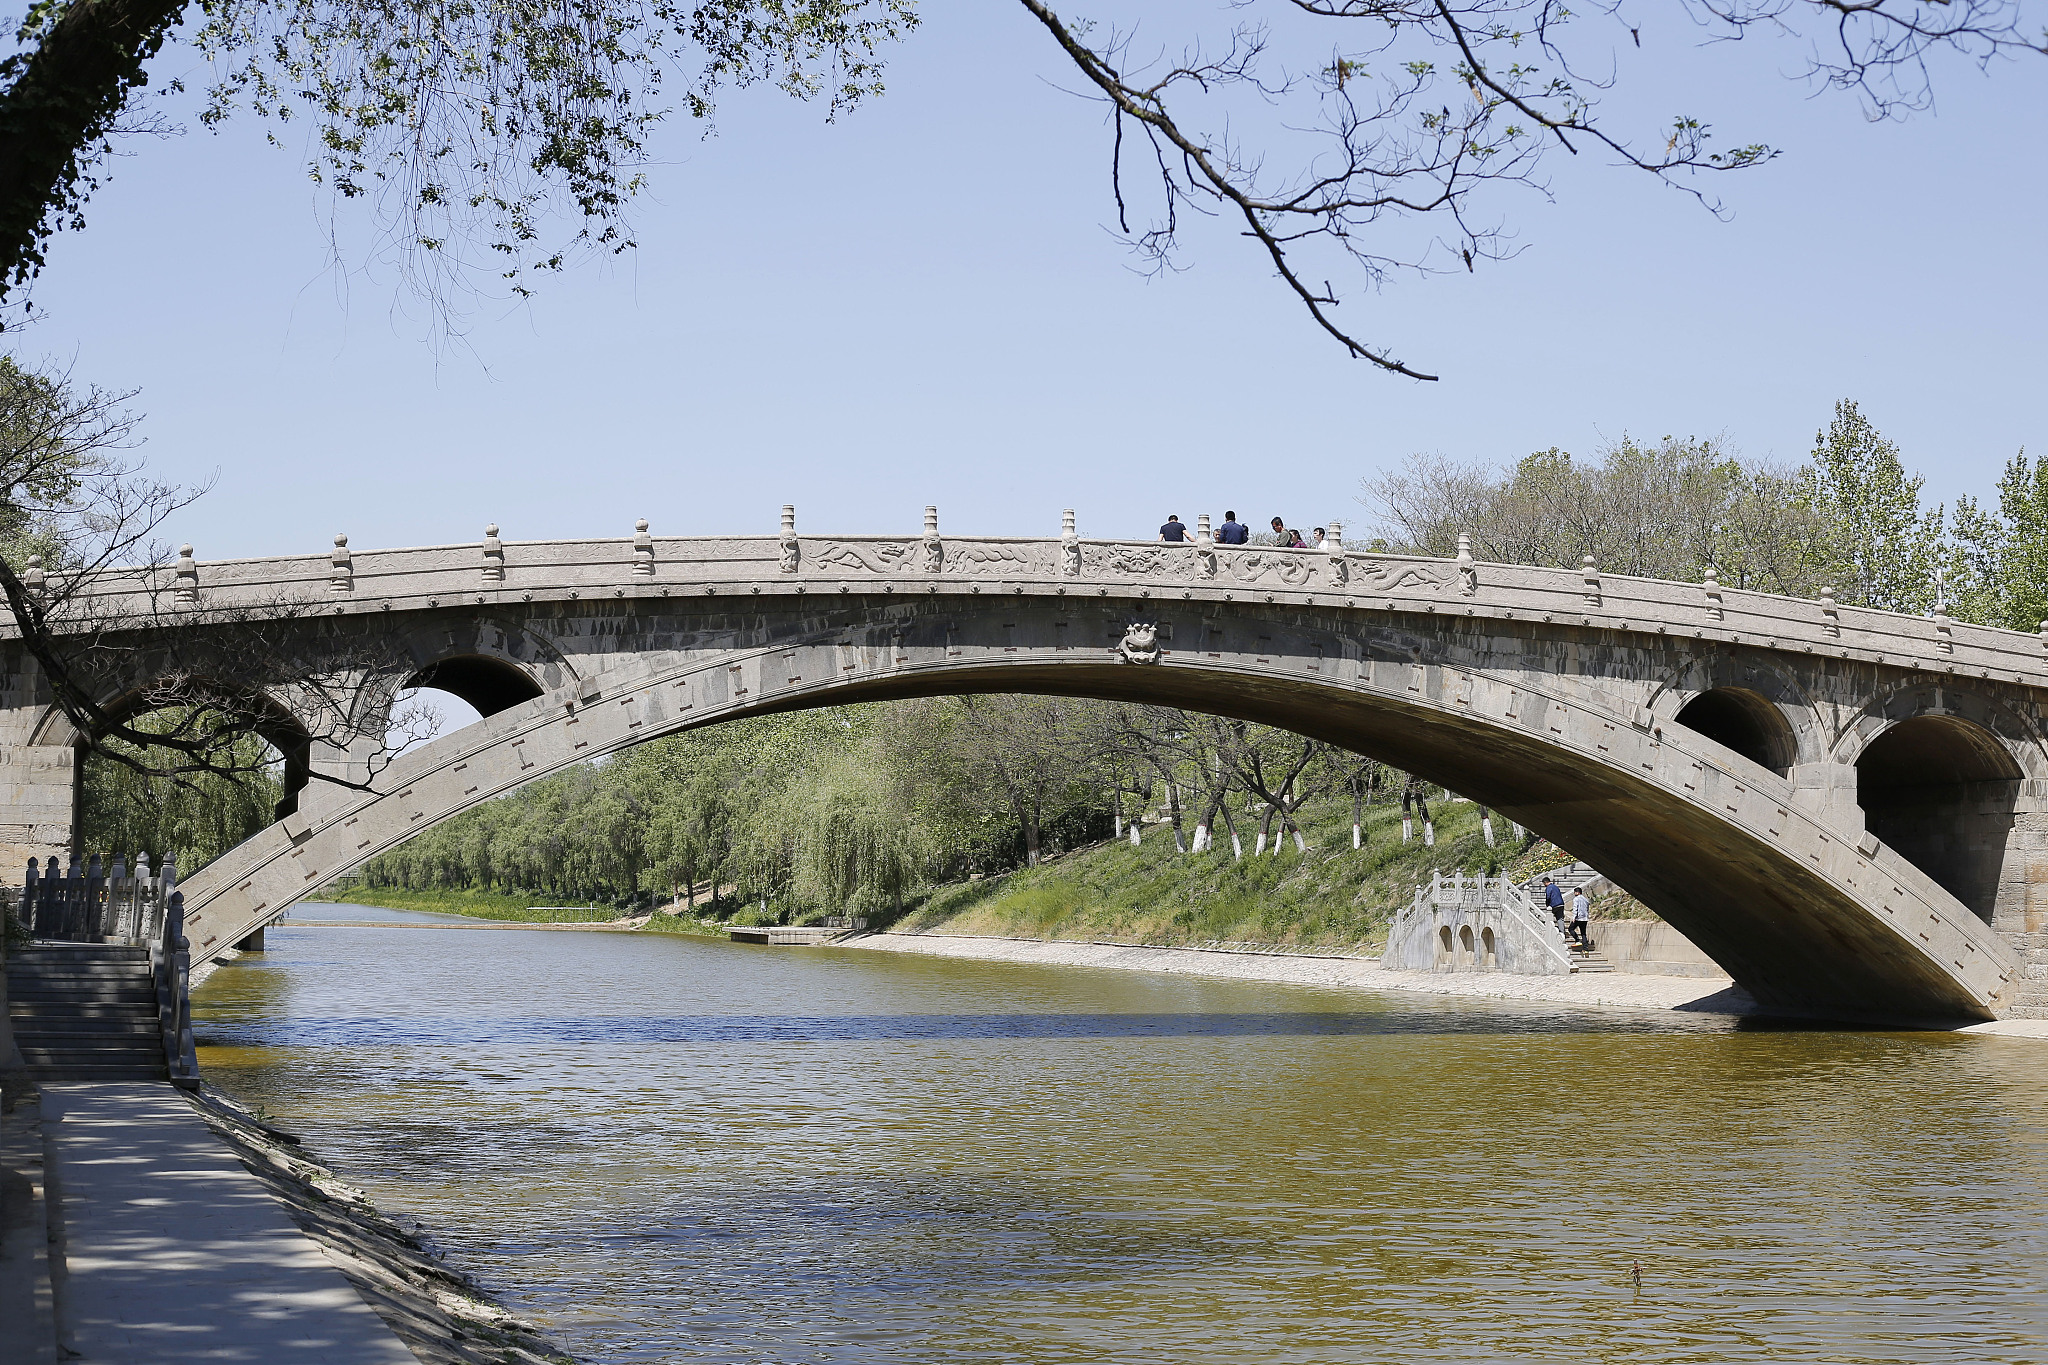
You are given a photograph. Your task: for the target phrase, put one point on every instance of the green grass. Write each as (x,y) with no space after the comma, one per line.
(481,904)
(1327,897)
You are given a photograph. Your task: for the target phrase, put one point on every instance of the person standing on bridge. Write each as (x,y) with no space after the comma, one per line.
(1582,910)
(1232,531)
(1174,530)
(1553,896)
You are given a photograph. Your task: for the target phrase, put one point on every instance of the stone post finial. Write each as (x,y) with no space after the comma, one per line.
(1712,587)
(494,555)
(1070,544)
(643,550)
(1205,546)
(33,578)
(1591,574)
(789,551)
(2044,634)
(1831,616)
(1333,539)
(187,569)
(342,577)
(1944,629)
(934,548)
(1067,531)
(1468,572)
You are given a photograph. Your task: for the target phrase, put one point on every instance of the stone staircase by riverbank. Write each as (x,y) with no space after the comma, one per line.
(85,1012)
(1589,959)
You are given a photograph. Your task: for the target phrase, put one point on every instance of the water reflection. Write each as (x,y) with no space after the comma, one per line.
(673,1150)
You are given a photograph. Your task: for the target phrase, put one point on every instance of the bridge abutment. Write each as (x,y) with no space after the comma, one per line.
(38,781)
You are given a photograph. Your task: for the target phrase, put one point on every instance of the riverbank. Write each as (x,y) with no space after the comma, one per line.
(442,1316)
(476,904)
(1604,990)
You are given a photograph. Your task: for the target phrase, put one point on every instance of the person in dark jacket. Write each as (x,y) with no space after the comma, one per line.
(1232,531)
(1553,896)
(1174,530)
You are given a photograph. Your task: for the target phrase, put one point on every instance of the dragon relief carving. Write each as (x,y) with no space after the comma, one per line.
(1380,577)
(1140,644)
(1122,559)
(1252,565)
(874,558)
(988,559)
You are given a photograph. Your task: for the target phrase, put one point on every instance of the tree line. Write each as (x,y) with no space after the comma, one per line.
(862,807)
(1851,517)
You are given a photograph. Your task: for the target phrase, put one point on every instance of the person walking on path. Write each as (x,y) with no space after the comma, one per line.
(1582,910)
(1553,896)
(1232,531)
(1174,530)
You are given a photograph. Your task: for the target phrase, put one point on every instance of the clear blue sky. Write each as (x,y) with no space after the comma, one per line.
(921,303)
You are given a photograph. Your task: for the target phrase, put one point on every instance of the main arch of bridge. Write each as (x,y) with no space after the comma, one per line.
(1655,729)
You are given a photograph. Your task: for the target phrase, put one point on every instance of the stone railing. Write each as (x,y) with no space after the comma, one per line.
(170,963)
(1131,573)
(82,904)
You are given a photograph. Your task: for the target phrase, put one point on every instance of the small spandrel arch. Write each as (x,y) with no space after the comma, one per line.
(1942,791)
(1746,721)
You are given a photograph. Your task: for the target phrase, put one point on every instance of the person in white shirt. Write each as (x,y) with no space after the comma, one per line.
(1582,910)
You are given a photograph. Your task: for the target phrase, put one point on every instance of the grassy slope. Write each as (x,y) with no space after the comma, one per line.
(1328,897)
(482,904)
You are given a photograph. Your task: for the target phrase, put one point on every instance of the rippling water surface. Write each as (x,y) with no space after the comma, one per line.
(672,1149)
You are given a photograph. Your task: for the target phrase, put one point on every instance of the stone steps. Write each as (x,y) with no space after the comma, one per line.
(85,1012)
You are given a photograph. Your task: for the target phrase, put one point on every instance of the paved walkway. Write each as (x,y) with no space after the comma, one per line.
(173,1252)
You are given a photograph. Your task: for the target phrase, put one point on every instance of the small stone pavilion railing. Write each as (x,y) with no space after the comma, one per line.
(134,909)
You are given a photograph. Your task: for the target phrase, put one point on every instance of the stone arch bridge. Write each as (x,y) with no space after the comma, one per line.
(1844,808)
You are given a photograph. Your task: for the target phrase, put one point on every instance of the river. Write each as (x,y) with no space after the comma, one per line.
(674,1149)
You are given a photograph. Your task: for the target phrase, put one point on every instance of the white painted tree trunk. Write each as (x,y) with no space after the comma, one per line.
(1119,824)
(1299,845)
(1357,837)
(1236,846)
(1407,828)
(1201,838)
(1486,829)
(1134,832)
(1260,850)
(1429,834)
